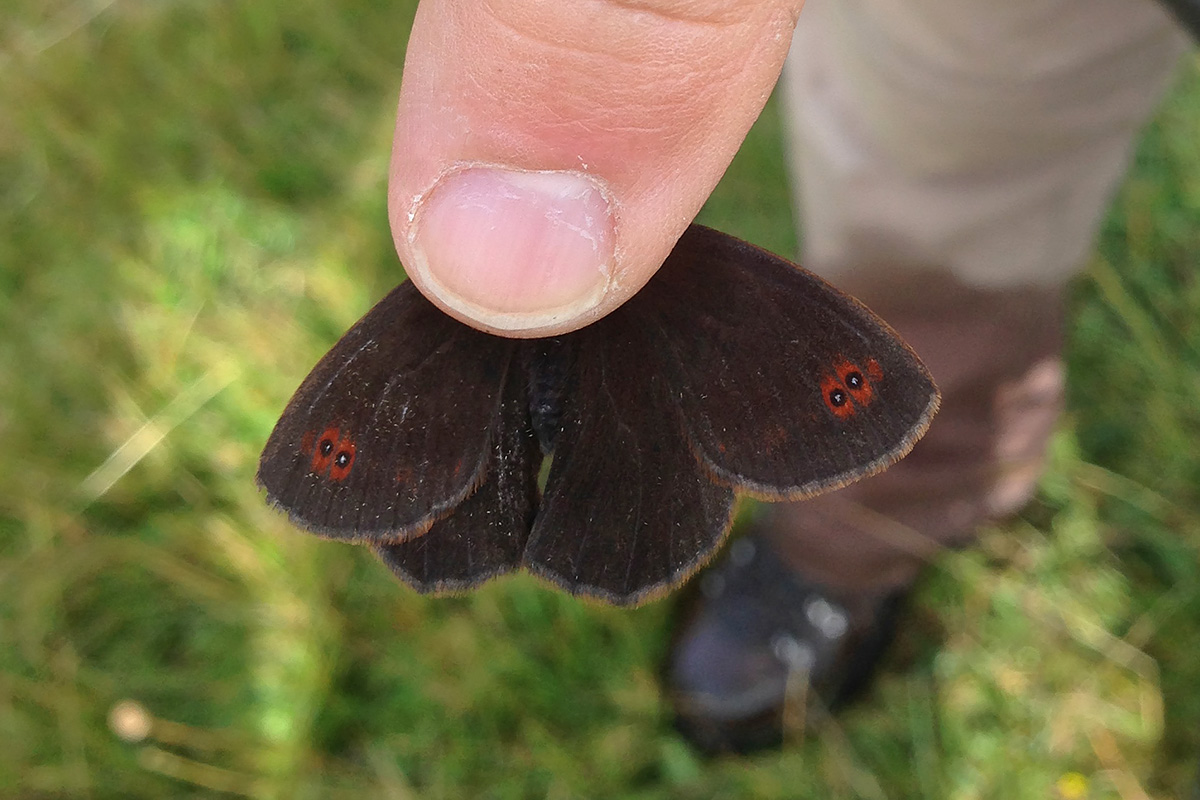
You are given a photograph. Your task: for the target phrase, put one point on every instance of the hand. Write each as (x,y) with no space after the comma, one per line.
(548,153)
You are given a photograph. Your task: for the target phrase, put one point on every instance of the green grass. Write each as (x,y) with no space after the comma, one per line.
(192,210)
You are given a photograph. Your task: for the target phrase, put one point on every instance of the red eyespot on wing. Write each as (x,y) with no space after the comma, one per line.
(343,459)
(856,381)
(837,397)
(324,450)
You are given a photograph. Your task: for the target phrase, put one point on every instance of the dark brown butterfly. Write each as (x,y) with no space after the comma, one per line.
(731,370)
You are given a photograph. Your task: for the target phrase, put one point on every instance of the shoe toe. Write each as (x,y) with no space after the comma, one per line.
(749,633)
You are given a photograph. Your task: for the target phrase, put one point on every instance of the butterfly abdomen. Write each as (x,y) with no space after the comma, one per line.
(548,364)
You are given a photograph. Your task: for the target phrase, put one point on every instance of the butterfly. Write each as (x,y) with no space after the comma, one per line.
(732,370)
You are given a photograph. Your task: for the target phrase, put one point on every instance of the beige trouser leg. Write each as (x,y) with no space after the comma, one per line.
(954,159)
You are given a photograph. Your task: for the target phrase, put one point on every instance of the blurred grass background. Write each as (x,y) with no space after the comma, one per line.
(192,209)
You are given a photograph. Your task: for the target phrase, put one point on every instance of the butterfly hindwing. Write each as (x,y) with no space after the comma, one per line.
(629,511)
(788,386)
(485,535)
(392,428)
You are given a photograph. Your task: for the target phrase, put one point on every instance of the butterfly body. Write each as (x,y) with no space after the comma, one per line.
(549,369)
(731,370)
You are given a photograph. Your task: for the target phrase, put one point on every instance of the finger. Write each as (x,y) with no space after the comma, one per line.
(547,155)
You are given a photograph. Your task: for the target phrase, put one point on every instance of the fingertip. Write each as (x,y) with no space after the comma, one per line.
(514,252)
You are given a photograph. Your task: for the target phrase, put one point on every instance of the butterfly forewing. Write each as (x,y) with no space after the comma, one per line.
(788,386)
(392,428)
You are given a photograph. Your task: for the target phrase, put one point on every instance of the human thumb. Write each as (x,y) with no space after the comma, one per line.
(547,155)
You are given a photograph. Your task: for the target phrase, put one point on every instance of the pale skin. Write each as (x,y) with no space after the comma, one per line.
(548,153)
